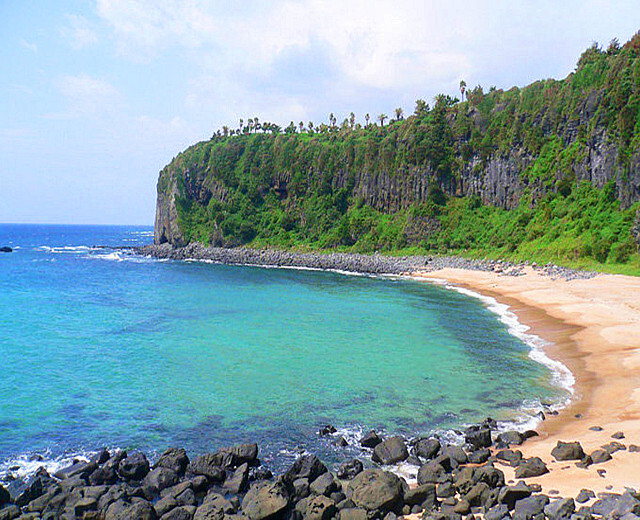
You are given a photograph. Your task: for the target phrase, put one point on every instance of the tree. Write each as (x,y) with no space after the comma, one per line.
(291,129)
(421,107)
(225,130)
(399,114)
(352,120)
(463,88)
(332,120)
(301,125)
(366,119)
(310,126)
(382,118)
(241,124)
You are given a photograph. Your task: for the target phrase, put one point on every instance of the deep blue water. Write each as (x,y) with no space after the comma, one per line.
(103,348)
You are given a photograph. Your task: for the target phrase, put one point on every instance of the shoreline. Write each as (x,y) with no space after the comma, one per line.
(593,327)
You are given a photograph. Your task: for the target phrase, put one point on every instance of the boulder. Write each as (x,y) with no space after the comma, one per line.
(181,513)
(329,429)
(301,489)
(317,507)
(174,459)
(390,451)
(208,510)
(158,479)
(84,469)
(568,451)
(370,440)
(234,456)
(456,455)
(479,456)
(498,512)
(325,484)
(533,467)
(445,490)
(560,509)
(376,490)
(421,495)
(478,437)
(349,470)
(491,476)
(266,500)
(530,508)
(512,457)
(134,466)
(600,456)
(6,249)
(427,448)
(611,505)
(238,480)
(10,512)
(137,508)
(431,473)
(511,437)
(584,496)
(353,513)
(306,466)
(209,466)
(509,495)
(478,494)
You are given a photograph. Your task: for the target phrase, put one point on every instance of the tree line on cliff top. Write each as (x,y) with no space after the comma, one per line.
(563,221)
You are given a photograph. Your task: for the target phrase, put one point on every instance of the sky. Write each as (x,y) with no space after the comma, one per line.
(96,96)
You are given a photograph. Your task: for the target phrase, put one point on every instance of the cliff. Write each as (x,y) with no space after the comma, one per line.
(405,183)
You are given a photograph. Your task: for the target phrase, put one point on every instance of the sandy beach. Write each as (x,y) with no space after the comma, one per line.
(593,327)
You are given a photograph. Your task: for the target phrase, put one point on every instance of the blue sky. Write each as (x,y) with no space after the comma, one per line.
(98,95)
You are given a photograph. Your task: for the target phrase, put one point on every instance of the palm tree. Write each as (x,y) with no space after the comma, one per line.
(332,120)
(310,126)
(225,130)
(366,119)
(463,88)
(399,114)
(352,120)
(241,124)
(421,107)
(301,125)
(382,118)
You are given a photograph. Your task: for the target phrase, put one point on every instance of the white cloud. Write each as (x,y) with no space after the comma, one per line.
(28,45)
(78,32)
(87,96)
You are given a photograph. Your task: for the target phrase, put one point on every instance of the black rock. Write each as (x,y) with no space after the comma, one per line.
(137,508)
(207,465)
(352,513)
(134,467)
(509,495)
(329,429)
(618,435)
(101,456)
(613,446)
(377,491)
(370,440)
(596,428)
(498,512)
(530,508)
(306,466)
(560,509)
(478,437)
(233,456)
(512,457)
(5,496)
(600,456)
(445,490)
(584,496)
(325,484)
(511,437)
(349,470)
(390,451)
(316,507)
(266,500)
(479,456)
(427,448)
(421,495)
(157,480)
(341,442)
(6,249)
(533,467)
(568,451)
(611,505)
(84,469)
(260,473)
(238,480)
(431,473)
(300,489)
(174,459)
(456,455)
(491,476)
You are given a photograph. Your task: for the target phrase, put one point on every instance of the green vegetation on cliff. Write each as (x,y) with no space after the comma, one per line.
(549,172)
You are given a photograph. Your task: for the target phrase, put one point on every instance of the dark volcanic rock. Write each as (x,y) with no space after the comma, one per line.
(584,496)
(325,484)
(509,495)
(209,466)
(611,505)
(134,467)
(478,437)
(376,490)
(234,456)
(158,479)
(238,480)
(316,508)
(424,494)
(174,459)
(511,437)
(390,451)
(498,512)
(137,508)
(600,456)
(560,509)
(306,466)
(533,467)
(265,500)
(431,473)
(349,470)
(479,456)
(327,430)
(530,508)
(5,496)
(427,448)
(370,440)
(568,451)
(6,249)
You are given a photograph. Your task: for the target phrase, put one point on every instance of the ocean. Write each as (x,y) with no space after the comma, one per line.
(101,347)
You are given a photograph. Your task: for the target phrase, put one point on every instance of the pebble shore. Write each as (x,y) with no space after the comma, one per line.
(375,264)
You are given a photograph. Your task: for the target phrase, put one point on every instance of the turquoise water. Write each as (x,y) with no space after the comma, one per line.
(102,348)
